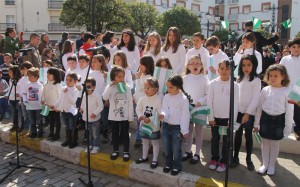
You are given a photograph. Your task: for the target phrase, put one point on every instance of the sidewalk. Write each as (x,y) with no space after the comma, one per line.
(287,168)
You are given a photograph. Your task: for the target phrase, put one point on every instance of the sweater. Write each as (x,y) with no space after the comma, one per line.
(133,58)
(151,53)
(216,59)
(51,93)
(198,93)
(95,106)
(177,59)
(139,89)
(100,83)
(67,101)
(292,64)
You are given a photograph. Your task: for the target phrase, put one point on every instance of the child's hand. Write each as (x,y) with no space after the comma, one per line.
(78,87)
(245,118)
(66,90)
(241,48)
(141,118)
(93,115)
(212,69)
(255,129)
(52,107)
(186,135)
(198,104)
(147,120)
(57,110)
(212,123)
(161,117)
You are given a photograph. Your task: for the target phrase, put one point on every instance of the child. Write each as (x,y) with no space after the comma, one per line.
(147,109)
(5,67)
(32,98)
(292,65)
(68,50)
(194,76)
(66,104)
(249,89)
(48,64)
(198,50)
(274,116)
(121,60)
(216,56)
(248,48)
(51,93)
(146,70)
(95,106)
(218,100)
(174,50)
(72,64)
(4,89)
(176,116)
(120,111)
(88,43)
(153,46)
(14,97)
(164,62)
(99,70)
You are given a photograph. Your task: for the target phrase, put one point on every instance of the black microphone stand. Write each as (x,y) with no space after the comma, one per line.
(17,165)
(229,150)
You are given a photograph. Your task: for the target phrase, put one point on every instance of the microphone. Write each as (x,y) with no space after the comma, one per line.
(26,50)
(99,48)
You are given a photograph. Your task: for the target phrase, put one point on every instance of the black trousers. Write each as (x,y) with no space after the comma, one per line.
(116,126)
(297,118)
(54,120)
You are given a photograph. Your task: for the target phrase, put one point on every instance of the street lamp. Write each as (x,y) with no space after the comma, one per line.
(207,16)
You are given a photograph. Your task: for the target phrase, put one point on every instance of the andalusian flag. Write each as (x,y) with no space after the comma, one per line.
(43,75)
(257,137)
(295,92)
(287,24)
(225,24)
(45,110)
(121,87)
(256,23)
(147,129)
(211,64)
(223,130)
(162,75)
(199,114)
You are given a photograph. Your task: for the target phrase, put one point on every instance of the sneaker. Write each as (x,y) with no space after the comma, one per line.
(86,150)
(186,156)
(95,150)
(6,115)
(235,162)
(212,165)
(221,167)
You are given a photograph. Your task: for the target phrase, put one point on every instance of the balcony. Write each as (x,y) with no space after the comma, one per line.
(9,2)
(233,1)
(4,26)
(231,17)
(219,2)
(59,27)
(55,4)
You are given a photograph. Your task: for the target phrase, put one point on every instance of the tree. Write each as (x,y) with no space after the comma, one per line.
(141,18)
(109,14)
(180,17)
(224,35)
(264,33)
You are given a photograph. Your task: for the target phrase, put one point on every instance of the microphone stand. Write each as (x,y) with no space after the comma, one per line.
(229,150)
(17,165)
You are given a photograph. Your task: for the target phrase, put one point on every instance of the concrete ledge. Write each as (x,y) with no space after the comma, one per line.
(209,182)
(33,144)
(5,135)
(102,162)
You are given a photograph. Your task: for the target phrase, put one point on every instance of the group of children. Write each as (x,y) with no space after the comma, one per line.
(118,91)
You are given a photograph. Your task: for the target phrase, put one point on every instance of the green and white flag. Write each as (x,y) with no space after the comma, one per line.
(287,23)
(45,110)
(162,75)
(265,24)
(147,129)
(43,75)
(121,87)
(211,64)
(257,137)
(295,92)
(108,81)
(225,24)
(256,23)
(223,130)
(199,114)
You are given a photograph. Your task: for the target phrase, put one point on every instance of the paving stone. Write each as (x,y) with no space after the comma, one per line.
(61,183)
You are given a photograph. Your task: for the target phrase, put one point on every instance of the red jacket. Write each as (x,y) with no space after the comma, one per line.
(85,47)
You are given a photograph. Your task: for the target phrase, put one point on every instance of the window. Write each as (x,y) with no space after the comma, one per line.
(9,2)
(180,3)
(150,2)
(211,10)
(246,9)
(233,10)
(54,19)
(164,3)
(265,6)
(10,19)
(195,8)
(234,26)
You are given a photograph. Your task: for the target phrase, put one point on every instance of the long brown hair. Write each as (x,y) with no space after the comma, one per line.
(177,41)
(157,47)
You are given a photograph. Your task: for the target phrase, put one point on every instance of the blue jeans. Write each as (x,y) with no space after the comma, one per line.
(68,120)
(26,123)
(2,105)
(94,134)
(138,137)
(35,118)
(172,138)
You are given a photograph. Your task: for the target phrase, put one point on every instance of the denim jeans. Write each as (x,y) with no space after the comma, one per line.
(26,123)
(2,105)
(35,118)
(172,138)
(138,137)
(68,120)
(94,134)
(16,113)
(215,141)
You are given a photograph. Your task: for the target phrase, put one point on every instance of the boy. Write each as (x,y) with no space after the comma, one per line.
(32,99)
(95,106)
(218,100)
(72,63)
(4,88)
(292,64)
(5,67)
(88,43)
(198,50)
(217,55)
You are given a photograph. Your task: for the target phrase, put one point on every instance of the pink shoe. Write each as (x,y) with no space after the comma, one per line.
(212,165)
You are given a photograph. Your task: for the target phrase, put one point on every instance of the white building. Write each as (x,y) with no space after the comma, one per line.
(295,28)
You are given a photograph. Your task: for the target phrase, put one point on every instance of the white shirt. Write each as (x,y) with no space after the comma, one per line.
(274,101)
(82,74)
(128,78)
(51,93)
(292,64)
(12,93)
(139,89)
(33,95)
(177,59)
(95,106)
(237,58)
(67,101)
(196,86)
(22,83)
(72,71)
(218,99)
(149,107)
(202,53)
(121,104)
(175,109)
(65,60)
(151,53)
(133,58)
(100,83)
(249,95)
(216,59)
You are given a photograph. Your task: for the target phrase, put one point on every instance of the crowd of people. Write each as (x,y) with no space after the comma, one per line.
(168,89)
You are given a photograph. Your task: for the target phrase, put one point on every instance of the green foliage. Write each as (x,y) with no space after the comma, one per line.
(141,18)
(180,17)
(224,35)
(298,35)
(109,14)
(264,33)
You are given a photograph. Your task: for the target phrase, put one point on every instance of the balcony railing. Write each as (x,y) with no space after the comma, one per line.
(55,4)
(233,1)
(9,2)
(4,26)
(219,1)
(233,16)
(58,27)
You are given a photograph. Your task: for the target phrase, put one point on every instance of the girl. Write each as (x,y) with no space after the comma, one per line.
(107,39)
(66,104)
(248,48)
(68,50)
(165,63)
(120,111)
(121,60)
(132,54)
(194,75)
(176,116)
(274,116)
(153,46)
(147,110)
(51,93)
(99,72)
(174,50)
(249,89)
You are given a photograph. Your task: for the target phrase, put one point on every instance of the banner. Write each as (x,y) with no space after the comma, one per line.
(287,23)
(256,23)
(121,87)
(257,137)
(45,110)
(225,24)
(223,130)
(199,114)
(162,75)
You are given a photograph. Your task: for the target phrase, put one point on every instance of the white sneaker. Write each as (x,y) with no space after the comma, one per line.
(271,171)
(262,169)
(86,150)
(221,167)
(95,150)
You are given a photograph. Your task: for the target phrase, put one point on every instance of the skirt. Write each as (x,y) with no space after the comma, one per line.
(271,127)
(249,124)
(153,136)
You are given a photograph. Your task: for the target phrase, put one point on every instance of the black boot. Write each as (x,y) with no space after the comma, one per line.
(68,139)
(74,139)
(57,132)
